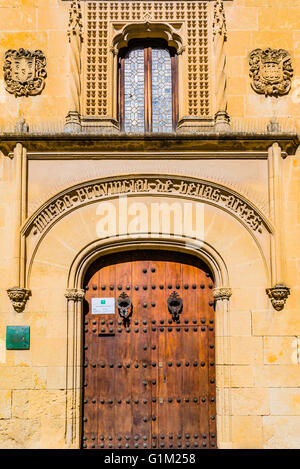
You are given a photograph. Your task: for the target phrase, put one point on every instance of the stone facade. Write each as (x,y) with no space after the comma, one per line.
(234,157)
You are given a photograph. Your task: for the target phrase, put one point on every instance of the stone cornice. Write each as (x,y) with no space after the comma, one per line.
(206,141)
(151,155)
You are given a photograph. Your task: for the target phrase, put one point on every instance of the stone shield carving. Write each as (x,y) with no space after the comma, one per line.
(24,72)
(271,71)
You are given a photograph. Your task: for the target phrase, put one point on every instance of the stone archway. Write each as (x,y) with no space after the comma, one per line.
(149,370)
(75,296)
(230,261)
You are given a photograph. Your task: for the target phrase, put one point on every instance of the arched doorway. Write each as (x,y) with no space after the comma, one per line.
(149,368)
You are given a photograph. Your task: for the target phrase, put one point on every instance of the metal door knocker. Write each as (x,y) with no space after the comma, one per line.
(124,306)
(174,305)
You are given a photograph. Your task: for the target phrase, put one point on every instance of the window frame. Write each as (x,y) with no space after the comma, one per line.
(147,45)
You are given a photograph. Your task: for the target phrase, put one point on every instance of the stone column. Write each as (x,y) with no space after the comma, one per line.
(73,123)
(18,294)
(222,120)
(74,297)
(279,292)
(223,361)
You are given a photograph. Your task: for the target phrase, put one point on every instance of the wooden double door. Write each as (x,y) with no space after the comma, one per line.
(149,378)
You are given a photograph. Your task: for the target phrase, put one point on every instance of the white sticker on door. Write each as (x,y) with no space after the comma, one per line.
(103,306)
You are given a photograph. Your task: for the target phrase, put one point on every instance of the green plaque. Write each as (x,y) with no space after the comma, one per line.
(17,337)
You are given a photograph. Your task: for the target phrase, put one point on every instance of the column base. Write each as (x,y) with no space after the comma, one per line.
(100,125)
(73,122)
(222,122)
(195,124)
(273,126)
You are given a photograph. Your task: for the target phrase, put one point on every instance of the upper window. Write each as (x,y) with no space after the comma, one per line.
(148,88)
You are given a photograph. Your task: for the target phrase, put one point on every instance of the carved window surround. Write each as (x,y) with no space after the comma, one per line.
(108,26)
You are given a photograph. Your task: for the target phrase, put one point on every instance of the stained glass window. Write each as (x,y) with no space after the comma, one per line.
(134,108)
(148,89)
(161,91)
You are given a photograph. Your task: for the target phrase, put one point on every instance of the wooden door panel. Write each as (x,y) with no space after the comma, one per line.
(194,371)
(189,294)
(150,381)
(170,422)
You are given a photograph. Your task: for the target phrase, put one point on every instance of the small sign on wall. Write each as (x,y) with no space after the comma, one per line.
(17,337)
(103,306)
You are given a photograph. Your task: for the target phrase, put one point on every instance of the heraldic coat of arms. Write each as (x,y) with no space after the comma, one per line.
(24,72)
(271,71)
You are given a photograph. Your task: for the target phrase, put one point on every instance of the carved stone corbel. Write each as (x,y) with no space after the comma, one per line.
(278,295)
(75,294)
(222,293)
(18,296)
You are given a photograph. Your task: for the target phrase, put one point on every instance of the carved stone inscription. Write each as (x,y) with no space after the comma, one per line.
(150,185)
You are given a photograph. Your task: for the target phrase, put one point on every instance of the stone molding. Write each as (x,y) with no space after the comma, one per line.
(148,29)
(271,71)
(75,294)
(208,142)
(278,295)
(18,296)
(222,293)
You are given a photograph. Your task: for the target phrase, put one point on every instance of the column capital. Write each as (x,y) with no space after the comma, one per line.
(222,293)
(75,294)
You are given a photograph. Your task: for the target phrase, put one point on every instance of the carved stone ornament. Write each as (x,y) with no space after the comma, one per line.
(18,296)
(271,71)
(24,72)
(75,294)
(124,305)
(174,305)
(75,20)
(222,293)
(278,295)
(21,126)
(219,22)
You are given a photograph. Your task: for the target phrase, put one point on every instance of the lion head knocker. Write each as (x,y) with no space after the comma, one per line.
(174,305)
(124,305)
